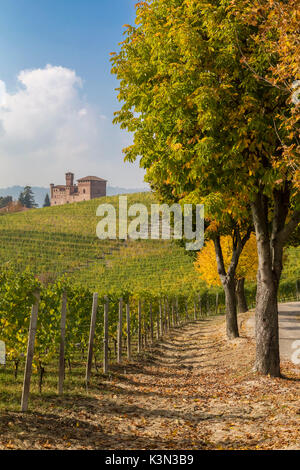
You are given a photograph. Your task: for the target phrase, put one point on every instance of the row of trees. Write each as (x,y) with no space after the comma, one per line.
(26,199)
(209,89)
(207,267)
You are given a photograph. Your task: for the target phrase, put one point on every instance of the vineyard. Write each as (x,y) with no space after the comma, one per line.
(55,252)
(58,241)
(147,318)
(62,240)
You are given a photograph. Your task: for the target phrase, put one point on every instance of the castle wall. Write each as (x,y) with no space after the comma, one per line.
(98,189)
(84,191)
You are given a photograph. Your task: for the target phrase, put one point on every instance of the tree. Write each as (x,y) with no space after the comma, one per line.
(205,121)
(26,198)
(4,201)
(227,274)
(47,201)
(239,232)
(206,265)
(283,17)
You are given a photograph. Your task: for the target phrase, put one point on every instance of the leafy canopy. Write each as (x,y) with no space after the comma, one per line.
(206,264)
(203,120)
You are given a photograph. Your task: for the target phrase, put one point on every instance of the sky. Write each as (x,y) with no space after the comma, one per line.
(57,95)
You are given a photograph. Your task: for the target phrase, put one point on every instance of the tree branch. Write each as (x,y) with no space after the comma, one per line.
(219,257)
(285,233)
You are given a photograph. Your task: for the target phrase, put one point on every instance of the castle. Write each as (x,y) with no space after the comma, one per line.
(89,187)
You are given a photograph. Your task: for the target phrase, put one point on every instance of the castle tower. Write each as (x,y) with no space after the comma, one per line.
(69,179)
(89,187)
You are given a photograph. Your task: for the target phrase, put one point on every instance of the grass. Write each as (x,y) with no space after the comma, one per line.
(11,388)
(74,385)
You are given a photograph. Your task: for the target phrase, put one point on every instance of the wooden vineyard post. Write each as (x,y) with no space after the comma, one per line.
(195,309)
(161,319)
(186,311)
(139,327)
(177,311)
(105,338)
(128,332)
(61,373)
(91,339)
(145,332)
(157,322)
(168,314)
(151,322)
(163,314)
(173,312)
(207,306)
(200,306)
(120,330)
(30,352)
(217,303)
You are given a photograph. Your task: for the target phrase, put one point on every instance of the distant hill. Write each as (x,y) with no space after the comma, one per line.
(40,193)
(114,191)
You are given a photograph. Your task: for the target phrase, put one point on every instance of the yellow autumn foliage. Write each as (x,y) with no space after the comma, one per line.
(206,263)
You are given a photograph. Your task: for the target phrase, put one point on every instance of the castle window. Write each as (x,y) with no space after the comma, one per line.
(84,191)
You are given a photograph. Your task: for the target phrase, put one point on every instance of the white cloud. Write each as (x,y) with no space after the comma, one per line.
(2,93)
(47,127)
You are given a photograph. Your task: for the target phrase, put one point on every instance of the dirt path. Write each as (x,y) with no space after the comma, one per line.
(194,390)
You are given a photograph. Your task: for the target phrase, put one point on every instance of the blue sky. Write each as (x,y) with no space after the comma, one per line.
(54,67)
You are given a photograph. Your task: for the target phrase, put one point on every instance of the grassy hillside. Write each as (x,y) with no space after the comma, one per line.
(62,240)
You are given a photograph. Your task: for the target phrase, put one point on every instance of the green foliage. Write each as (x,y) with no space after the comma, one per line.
(47,201)
(17,296)
(4,201)
(204,121)
(26,198)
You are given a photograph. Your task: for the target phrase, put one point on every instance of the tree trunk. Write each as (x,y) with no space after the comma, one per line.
(232,329)
(240,296)
(267,359)
(270,241)
(266,328)
(228,278)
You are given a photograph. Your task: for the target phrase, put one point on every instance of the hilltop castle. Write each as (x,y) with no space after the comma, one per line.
(89,187)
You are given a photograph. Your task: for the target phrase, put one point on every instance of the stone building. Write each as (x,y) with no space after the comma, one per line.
(89,187)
